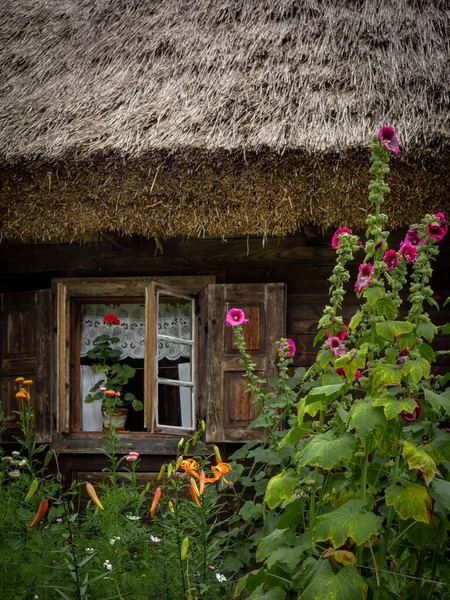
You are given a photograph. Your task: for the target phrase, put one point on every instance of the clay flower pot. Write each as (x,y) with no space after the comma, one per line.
(117,418)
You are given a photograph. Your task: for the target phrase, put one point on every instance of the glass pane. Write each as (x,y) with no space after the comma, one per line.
(174,361)
(175,406)
(174,317)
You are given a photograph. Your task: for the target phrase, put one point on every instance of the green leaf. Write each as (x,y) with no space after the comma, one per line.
(434,534)
(441,491)
(324,357)
(427,331)
(326,393)
(389,329)
(407,340)
(387,308)
(385,375)
(320,334)
(417,458)
(410,501)
(294,435)
(364,417)
(356,319)
(346,584)
(326,452)
(348,521)
(273,593)
(427,352)
(373,295)
(439,447)
(288,555)
(417,369)
(277,539)
(393,407)
(281,487)
(250,510)
(438,402)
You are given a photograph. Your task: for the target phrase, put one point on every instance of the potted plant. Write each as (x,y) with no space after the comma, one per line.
(115,405)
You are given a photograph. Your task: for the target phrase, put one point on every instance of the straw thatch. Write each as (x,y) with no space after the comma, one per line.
(165,118)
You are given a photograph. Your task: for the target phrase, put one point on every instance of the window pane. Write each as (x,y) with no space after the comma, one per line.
(177,364)
(174,406)
(174,317)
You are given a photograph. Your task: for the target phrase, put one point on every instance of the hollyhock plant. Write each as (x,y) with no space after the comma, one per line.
(341,334)
(336,346)
(408,251)
(365,272)
(390,259)
(412,237)
(337,233)
(388,138)
(437,230)
(288,348)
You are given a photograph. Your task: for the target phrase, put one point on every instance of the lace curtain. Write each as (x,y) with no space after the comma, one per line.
(173,319)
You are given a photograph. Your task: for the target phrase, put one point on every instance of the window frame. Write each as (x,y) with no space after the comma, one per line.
(76,291)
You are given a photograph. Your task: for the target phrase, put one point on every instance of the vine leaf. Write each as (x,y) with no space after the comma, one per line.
(346,584)
(280,487)
(364,417)
(326,452)
(417,458)
(348,521)
(393,407)
(411,501)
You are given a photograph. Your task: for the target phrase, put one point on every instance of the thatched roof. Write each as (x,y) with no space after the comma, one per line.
(173,118)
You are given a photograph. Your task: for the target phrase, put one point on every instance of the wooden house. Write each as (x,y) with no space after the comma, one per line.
(167,161)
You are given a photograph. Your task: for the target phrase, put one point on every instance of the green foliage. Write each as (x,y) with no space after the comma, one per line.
(349,522)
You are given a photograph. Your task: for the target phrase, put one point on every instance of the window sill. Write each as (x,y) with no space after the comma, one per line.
(142,442)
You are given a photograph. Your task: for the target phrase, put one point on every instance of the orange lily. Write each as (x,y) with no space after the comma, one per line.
(190,467)
(193,493)
(155,501)
(202,482)
(220,470)
(93,495)
(43,506)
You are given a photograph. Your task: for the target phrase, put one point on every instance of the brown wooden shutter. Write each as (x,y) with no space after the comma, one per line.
(229,409)
(26,351)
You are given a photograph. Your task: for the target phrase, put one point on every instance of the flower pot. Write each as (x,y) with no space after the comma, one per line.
(117,418)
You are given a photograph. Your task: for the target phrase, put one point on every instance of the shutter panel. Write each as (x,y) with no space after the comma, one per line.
(229,409)
(26,350)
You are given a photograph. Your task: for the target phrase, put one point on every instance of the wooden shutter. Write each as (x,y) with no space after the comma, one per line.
(26,351)
(229,409)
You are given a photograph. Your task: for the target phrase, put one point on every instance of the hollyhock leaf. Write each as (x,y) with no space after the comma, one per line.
(387,308)
(307,572)
(274,593)
(427,331)
(340,558)
(326,393)
(251,581)
(385,375)
(417,458)
(294,435)
(416,369)
(438,402)
(393,407)
(439,447)
(289,555)
(364,417)
(324,357)
(389,329)
(410,501)
(432,302)
(320,335)
(433,534)
(406,340)
(350,521)
(326,452)
(346,584)
(280,487)
(373,295)
(427,352)
(440,490)
(356,319)
(276,539)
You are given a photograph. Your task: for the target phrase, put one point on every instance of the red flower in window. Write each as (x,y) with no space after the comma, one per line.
(111,319)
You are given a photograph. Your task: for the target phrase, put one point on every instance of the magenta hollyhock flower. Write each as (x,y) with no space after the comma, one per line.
(411,418)
(289,350)
(340,371)
(390,259)
(234,317)
(341,334)
(437,230)
(408,251)
(412,237)
(387,137)
(336,346)
(365,272)
(337,233)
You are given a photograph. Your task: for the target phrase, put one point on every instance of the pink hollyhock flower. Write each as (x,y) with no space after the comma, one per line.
(365,272)
(337,233)
(336,346)
(437,230)
(111,319)
(390,259)
(412,237)
(340,371)
(234,317)
(289,350)
(387,137)
(341,334)
(411,418)
(358,374)
(408,251)
(132,456)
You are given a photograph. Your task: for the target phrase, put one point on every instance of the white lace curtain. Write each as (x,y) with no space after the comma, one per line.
(173,319)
